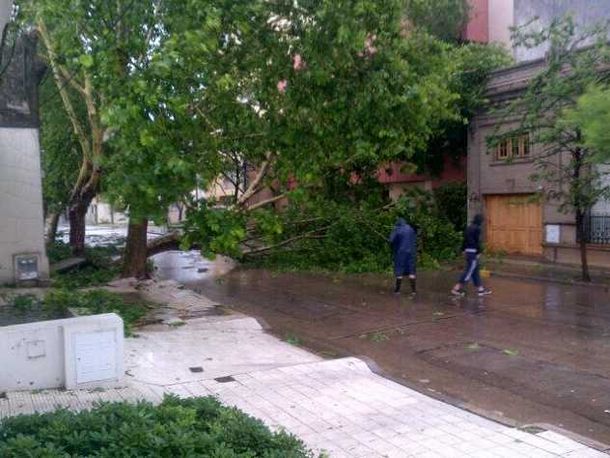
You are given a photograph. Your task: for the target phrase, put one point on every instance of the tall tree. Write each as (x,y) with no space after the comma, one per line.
(61,154)
(91,49)
(562,160)
(321,96)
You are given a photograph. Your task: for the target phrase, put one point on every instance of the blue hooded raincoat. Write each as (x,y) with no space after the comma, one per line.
(403,241)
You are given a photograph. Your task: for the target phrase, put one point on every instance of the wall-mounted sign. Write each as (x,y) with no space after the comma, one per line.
(26,267)
(553,233)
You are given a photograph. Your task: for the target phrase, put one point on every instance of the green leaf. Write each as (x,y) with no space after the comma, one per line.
(86,60)
(510,352)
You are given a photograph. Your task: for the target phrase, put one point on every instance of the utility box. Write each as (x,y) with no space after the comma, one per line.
(74,353)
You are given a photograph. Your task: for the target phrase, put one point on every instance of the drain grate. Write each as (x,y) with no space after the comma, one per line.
(226,379)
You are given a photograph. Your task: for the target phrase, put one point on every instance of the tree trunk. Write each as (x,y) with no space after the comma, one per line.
(53,222)
(134,262)
(76,217)
(167,242)
(582,241)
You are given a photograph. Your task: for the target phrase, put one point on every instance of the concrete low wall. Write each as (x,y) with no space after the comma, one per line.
(81,352)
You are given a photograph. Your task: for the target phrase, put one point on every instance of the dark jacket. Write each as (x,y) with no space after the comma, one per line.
(403,238)
(472,236)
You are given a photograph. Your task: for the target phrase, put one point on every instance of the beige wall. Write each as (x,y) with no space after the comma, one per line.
(21,218)
(487,176)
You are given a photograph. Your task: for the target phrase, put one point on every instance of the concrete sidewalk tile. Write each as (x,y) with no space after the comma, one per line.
(500,438)
(506,452)
(483,454)
(567,443)
(586,453)
(538,442)
(529,450)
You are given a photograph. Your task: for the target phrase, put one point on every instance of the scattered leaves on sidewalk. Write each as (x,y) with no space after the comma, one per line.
(293,340)
(473,346)
(378,337)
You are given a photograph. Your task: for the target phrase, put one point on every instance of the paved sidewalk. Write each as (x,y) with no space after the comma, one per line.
(339,406)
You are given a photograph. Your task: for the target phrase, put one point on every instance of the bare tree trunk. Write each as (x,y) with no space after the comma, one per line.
(136,250)
(53,222)
(76,217)
(577,157)
(582,241)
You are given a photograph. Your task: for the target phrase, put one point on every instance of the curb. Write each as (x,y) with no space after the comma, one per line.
(599,446)
(549,280)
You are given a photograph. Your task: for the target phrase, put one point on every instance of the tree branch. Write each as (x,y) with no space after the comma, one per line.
(262,203)
(253,187)
(65,97)
(59,71)
(307,235)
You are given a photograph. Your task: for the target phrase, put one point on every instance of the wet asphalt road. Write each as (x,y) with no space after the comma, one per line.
(533,352)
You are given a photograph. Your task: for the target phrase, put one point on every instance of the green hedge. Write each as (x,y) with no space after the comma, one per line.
(195,427)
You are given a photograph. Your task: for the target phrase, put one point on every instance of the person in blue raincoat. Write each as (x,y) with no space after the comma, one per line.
(403,241)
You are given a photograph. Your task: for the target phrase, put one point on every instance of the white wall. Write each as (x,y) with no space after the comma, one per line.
(585,13)
(21,215)
(6,7)
(501,18)
(80,352)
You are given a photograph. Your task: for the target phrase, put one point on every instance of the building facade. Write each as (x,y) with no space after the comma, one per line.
(519,220)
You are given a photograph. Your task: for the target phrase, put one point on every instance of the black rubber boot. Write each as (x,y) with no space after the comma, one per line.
(397,287)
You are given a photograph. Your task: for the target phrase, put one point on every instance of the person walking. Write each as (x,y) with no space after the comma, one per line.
(472,252)
(403,241)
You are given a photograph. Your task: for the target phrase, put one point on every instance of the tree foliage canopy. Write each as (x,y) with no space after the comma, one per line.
(298,100)
(445,19)
(592,116)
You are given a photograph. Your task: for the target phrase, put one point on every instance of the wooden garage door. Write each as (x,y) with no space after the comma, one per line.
(514,224)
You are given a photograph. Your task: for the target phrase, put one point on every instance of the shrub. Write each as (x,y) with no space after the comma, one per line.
(193,427)
(58,251)
(95,302)
(26,308)
(22,303)
(451,199)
